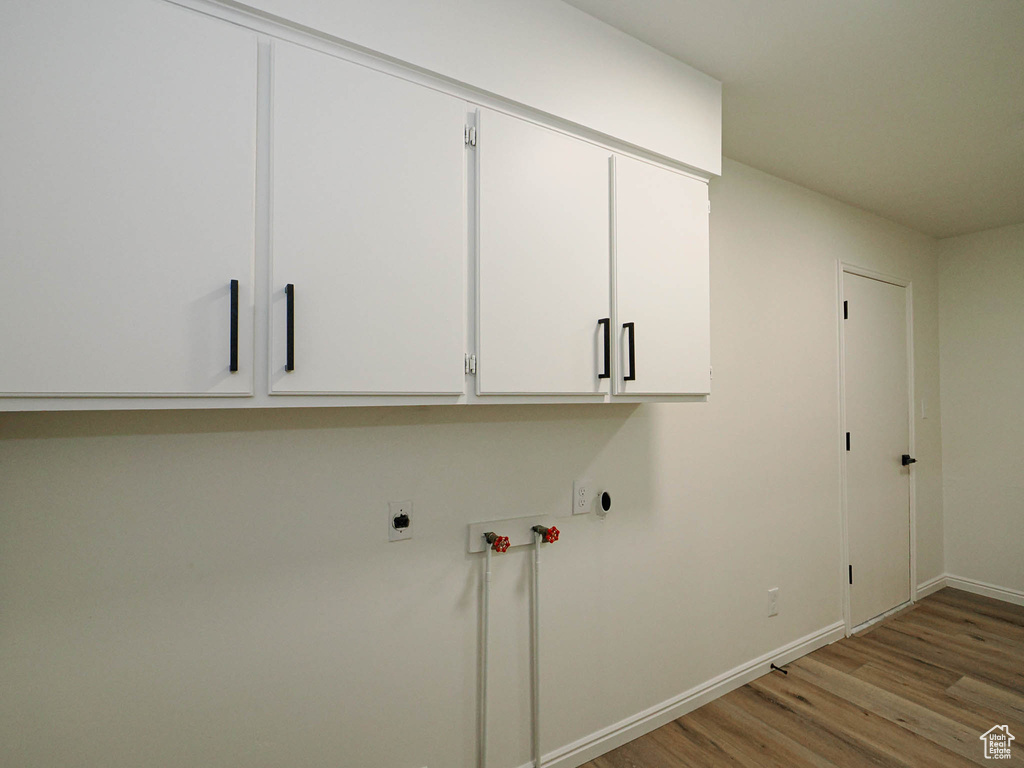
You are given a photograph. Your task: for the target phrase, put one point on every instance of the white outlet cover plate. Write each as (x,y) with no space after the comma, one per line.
(582,497)
(396,508)
(518,529)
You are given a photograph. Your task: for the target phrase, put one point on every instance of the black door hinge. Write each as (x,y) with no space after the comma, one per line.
(847,441)
(851,574)
(846,310)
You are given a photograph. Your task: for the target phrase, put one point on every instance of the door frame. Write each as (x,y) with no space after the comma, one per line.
(844,268)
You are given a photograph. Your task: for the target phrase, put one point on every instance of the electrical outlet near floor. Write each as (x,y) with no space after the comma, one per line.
(773,601)
(399,520)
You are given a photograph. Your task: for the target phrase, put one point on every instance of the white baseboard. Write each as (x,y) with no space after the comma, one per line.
(931,586)
(987,590)
(599,742)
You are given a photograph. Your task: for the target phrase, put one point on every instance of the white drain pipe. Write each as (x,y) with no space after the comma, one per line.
(486,611)
(498,544)
(535,649)
(540,535)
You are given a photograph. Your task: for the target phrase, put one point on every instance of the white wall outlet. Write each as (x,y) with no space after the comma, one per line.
(581,497)
(773,601)
(399,520)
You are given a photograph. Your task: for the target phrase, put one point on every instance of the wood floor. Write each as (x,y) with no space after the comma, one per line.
(916,690)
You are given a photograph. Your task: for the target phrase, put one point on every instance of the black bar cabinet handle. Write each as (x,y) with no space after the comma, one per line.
(607,323)
(233,362)
(632,352)
(289,291)
(907,460)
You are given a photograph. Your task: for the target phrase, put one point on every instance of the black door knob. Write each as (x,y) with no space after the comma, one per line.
(907,460)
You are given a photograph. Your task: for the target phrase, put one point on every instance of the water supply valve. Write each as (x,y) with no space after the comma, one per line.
(550,535)
(498,543)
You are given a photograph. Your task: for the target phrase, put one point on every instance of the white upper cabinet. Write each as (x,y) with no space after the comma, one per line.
(157,161)
(368,219)
(543,262)
(662,294)
(127,148)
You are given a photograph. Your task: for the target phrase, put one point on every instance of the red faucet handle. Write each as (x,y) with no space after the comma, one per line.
(550,535)
(498,543)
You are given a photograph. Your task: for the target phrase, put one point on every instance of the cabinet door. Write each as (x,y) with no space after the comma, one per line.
(543,261)
(127,142)
(661,281)
(368,216)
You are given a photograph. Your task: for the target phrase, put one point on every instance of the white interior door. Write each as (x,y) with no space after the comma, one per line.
(877,419)
(127,148)
(662,287)
(543,263)
(369,227)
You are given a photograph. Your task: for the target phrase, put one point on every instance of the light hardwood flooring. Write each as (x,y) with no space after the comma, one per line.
(918,689)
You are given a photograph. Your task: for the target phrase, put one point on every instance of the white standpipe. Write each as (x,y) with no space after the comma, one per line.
(486,618)
(535,650)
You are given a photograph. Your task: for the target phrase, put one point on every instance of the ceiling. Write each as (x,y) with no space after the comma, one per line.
(911,109)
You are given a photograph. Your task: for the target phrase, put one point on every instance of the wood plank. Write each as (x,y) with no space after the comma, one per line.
(975,601)
(841,656)
(759,741)
(777,715)
(857,724)
(910,715)
(983,606)
(954,621)
(961,620)
(978,717)
(691,747)
(704,722)
(1007,703)
(924,670)
(685,746)
(977,637)
(953,658)
(639,753)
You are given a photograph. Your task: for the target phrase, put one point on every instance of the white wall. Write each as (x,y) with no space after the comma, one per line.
(981,285)
(216,587)
(540,53)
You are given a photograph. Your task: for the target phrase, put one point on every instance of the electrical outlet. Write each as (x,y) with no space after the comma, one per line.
(399,520)
(773,601)
(581,498)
